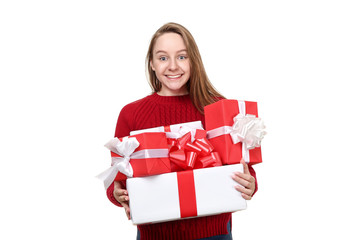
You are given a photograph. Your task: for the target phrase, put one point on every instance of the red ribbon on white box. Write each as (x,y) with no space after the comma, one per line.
(126,148)
(187,195)
(247,129)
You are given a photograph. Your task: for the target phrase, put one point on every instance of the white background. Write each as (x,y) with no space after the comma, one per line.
(68,67)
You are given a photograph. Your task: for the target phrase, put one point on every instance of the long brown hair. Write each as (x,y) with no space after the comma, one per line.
(199,86)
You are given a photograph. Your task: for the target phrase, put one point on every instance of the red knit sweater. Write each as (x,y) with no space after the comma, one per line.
(153,111)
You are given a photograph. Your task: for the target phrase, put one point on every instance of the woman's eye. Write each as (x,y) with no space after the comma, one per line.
(163,58)
(182,57)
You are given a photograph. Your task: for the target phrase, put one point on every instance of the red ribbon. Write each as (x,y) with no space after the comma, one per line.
(187,196)
(186,155)
(167,129)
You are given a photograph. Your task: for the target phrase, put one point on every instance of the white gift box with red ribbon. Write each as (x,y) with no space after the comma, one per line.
(175,130)
(178,195)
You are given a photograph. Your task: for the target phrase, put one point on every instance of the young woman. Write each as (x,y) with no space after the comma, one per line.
(181,89)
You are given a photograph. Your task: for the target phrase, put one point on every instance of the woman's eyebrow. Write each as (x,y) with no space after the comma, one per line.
(182,50)
(162,51)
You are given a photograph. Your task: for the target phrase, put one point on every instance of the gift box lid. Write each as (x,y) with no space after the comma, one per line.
(222,113)
(173,128)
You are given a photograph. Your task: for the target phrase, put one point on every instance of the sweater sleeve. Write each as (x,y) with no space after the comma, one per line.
(123,128)
(123,125)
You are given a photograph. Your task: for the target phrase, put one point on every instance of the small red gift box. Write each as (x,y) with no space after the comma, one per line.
(219,119)
(187,145)
(140,155)
(149,164)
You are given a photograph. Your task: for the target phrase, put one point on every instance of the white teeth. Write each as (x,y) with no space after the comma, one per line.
(176,76)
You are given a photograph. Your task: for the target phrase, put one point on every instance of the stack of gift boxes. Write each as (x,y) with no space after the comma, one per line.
(181,171)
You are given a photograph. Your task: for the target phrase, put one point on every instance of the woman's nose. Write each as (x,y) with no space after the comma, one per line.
(173,65)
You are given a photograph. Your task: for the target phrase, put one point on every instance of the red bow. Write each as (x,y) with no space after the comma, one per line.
(186,155)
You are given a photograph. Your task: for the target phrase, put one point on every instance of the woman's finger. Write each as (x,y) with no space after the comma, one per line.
(245,193)
(124,198)
(247,177)
(243,182)
(120,192)
(243,190)
(245,196)
(125,205)
(246,167)
(127,211)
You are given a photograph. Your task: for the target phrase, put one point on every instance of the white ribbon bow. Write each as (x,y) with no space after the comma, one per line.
(124,149)
(182,131)
(248,129)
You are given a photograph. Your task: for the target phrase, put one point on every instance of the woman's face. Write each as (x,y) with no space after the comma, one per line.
(171,64)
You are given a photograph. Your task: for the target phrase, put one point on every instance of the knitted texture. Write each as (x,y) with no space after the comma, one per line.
(153,111)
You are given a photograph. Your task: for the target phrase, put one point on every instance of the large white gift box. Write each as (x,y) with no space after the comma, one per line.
(178,195)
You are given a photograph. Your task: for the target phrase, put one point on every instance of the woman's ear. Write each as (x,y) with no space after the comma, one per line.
(151,64)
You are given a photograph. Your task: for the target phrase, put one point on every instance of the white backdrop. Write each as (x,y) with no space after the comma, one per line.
(68,67)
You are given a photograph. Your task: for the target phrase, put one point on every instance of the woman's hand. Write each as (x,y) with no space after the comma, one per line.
(246,181)
(121,195)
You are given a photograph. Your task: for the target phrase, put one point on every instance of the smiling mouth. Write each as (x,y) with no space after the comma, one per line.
(174,76)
